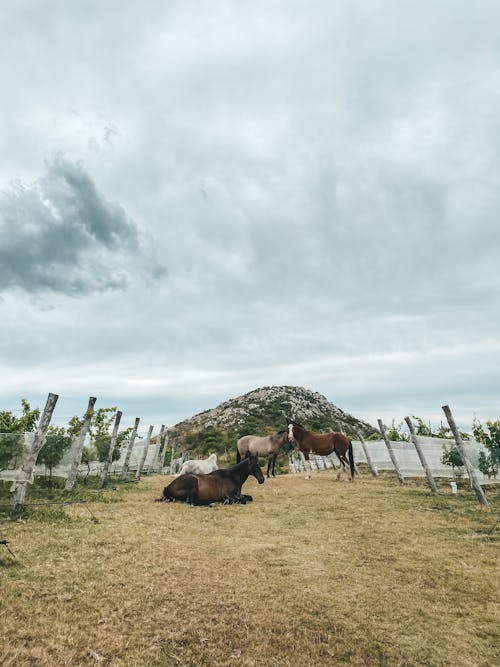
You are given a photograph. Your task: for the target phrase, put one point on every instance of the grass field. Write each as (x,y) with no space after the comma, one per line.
(311,573)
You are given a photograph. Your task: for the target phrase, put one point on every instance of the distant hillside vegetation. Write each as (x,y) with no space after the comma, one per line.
(262,411)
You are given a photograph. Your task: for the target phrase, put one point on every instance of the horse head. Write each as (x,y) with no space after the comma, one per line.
(282,437)
(255,469)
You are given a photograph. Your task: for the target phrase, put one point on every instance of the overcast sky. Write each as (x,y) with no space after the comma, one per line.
(199,198)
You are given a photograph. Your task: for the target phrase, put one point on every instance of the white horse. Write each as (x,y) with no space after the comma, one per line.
(199,466)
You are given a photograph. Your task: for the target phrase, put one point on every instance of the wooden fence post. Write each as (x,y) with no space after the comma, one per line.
(80,442)
(156,455)
(391,452)
(421,456)
(172,452)
(460,446)
(112,443)
(161,454)
(133,436)
(144,454)
(367,454)
(31,455)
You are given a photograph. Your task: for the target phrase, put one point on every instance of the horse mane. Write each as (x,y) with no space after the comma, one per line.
(244,461)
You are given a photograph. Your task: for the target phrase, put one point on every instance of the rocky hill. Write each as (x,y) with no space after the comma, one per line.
(262,411)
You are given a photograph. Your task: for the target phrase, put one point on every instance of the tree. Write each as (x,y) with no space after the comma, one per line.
(489,464)
(89,454)
(9,423)
(100,425)
(395,433)
(451,457)
(12,429)
(56,443)
(421,428)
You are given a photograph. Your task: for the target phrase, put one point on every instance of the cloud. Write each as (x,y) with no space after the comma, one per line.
(322,185)
(61,234)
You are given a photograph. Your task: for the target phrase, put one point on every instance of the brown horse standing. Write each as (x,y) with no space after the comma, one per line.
(323,444)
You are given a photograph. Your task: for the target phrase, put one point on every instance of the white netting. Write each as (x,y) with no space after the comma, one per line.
(406,457)
(405,453)
(18,443)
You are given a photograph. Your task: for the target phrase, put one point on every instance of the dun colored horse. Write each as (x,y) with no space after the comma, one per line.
(219,485)
(256,445)
(323,444)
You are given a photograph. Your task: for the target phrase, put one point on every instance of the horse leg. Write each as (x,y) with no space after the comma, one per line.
(308,466)
(342,466)
(275,456)
(269,459)
(234,499)
(346,466)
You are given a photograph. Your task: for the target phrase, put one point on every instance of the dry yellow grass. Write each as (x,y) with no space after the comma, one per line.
(312,572)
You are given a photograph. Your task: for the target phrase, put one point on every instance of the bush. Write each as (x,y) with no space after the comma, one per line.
(12,429)
(488,463)
(11,449)
(56,443)
(451,457)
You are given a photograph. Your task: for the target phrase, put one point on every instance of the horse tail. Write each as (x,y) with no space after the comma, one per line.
(351,461)
(238,455)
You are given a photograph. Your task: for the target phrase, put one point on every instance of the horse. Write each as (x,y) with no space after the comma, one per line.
(220,485)
(268,445)
(199,466)
(323,444)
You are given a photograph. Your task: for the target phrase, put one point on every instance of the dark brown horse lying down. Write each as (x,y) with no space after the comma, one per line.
(220,485)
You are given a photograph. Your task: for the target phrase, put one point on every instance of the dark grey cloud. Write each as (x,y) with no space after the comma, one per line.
(61,234)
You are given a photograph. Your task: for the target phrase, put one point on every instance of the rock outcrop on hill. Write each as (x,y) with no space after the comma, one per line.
(262,411)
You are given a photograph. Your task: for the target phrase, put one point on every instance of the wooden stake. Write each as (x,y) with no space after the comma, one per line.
(114,435)
(80,442)
(133,436)
(367,454)
(391,452)
(25,476)
(144,454)
(161,455)
(156,455)
(172,452)
(460,446)
(421,456)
